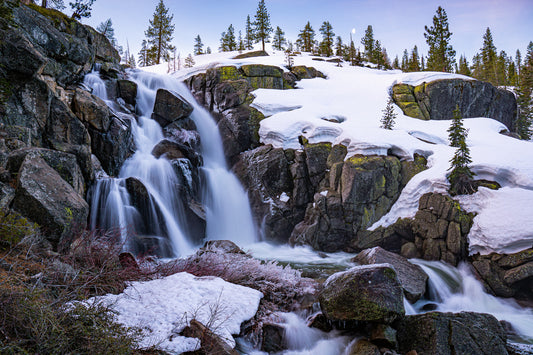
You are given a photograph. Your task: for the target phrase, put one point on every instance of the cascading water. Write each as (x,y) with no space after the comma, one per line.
(228,214)
(456,289)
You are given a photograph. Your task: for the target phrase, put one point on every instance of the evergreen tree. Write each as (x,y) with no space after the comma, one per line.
(377,57)
(422,63)
(306,38)
(441,55)
(456,132)
(464,69)
(386,60)
(198,46)
(240,45)
(502,62)
(518,59)
(208,50)
(387,121)
(81,8)
(461,177)
(414,61)
(131,61)
(189,61)
(524,99)
(159,33)
(279,40)
(262,28)
(396,63)
(106,28)
(354,57)
(339,47)
(405,61)
(227,40)
(144,59)
(249,35)
(488,59)
(328,35)
(368,42)
(512,74)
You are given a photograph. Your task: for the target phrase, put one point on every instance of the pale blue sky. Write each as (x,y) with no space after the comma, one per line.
(398,24)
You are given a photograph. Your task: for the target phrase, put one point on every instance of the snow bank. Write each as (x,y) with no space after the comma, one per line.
(163,307)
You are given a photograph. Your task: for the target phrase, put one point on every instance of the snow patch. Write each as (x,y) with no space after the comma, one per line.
(162,308)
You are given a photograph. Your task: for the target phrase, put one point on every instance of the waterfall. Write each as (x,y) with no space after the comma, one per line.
(456,289)
(228,214)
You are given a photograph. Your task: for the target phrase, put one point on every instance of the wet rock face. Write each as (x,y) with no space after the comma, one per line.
(169,107)
(412,278)
(449,333)
(50,201)
(508,275)
(436,100)
(363,293)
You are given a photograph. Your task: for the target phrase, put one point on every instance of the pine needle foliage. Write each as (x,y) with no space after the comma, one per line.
(461,177)
(262,28)
(387,121)
(159,34)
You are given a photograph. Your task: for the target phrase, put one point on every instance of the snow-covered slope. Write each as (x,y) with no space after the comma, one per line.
(346,108)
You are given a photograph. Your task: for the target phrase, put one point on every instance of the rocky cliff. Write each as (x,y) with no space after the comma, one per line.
(48,123)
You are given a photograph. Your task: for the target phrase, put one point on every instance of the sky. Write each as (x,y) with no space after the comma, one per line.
(397,24)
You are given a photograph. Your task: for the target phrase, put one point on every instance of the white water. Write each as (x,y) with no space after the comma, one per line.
(456,289)
(228,214)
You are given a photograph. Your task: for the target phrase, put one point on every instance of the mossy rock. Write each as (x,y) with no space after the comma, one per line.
(404,98)
(262,70)
(400,89)
(229,73)
(412,109)
(411,168)
(493,185)
(251,55)
(254,123)
(61,21)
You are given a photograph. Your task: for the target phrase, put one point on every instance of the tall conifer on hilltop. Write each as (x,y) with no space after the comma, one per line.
(306,38)
(488,59)
(262,28)
(441,56)
(159,34)
(198,46)
(327,39)
(368,42)
(279,41)
(248,35)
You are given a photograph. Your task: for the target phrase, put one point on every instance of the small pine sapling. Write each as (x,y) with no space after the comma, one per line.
(387,121)
(189,61)
(288,59)
(456,132)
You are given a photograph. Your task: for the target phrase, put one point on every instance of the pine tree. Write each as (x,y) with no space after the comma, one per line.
(208,50)
(512,74)
(387,121)
(488,59)
(339,47)
(441,55)
(227,40)
(240,44)
(414,61)
(456,131)
(189,61)
(131,61)
(518,58)
(327,38)
(306,38)
(106,28)
(377,57)
(81,8)
(262,28)
(525,101)
(396,63)
(198,46)
(368,42)
(464,69)
(159,33)
(422,63)
(279,40)
(461,177)
(249,35)
(405,61)
(143,55)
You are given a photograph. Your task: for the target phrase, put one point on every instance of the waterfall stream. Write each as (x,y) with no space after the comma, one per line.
(228,216)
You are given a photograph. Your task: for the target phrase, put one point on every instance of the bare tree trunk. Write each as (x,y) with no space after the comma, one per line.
(44,3)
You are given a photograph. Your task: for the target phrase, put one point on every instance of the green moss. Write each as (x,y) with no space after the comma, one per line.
(363,159)
(402,89)
(419,89)
(254,123)
(13,228)
(321,145)
(229,73)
